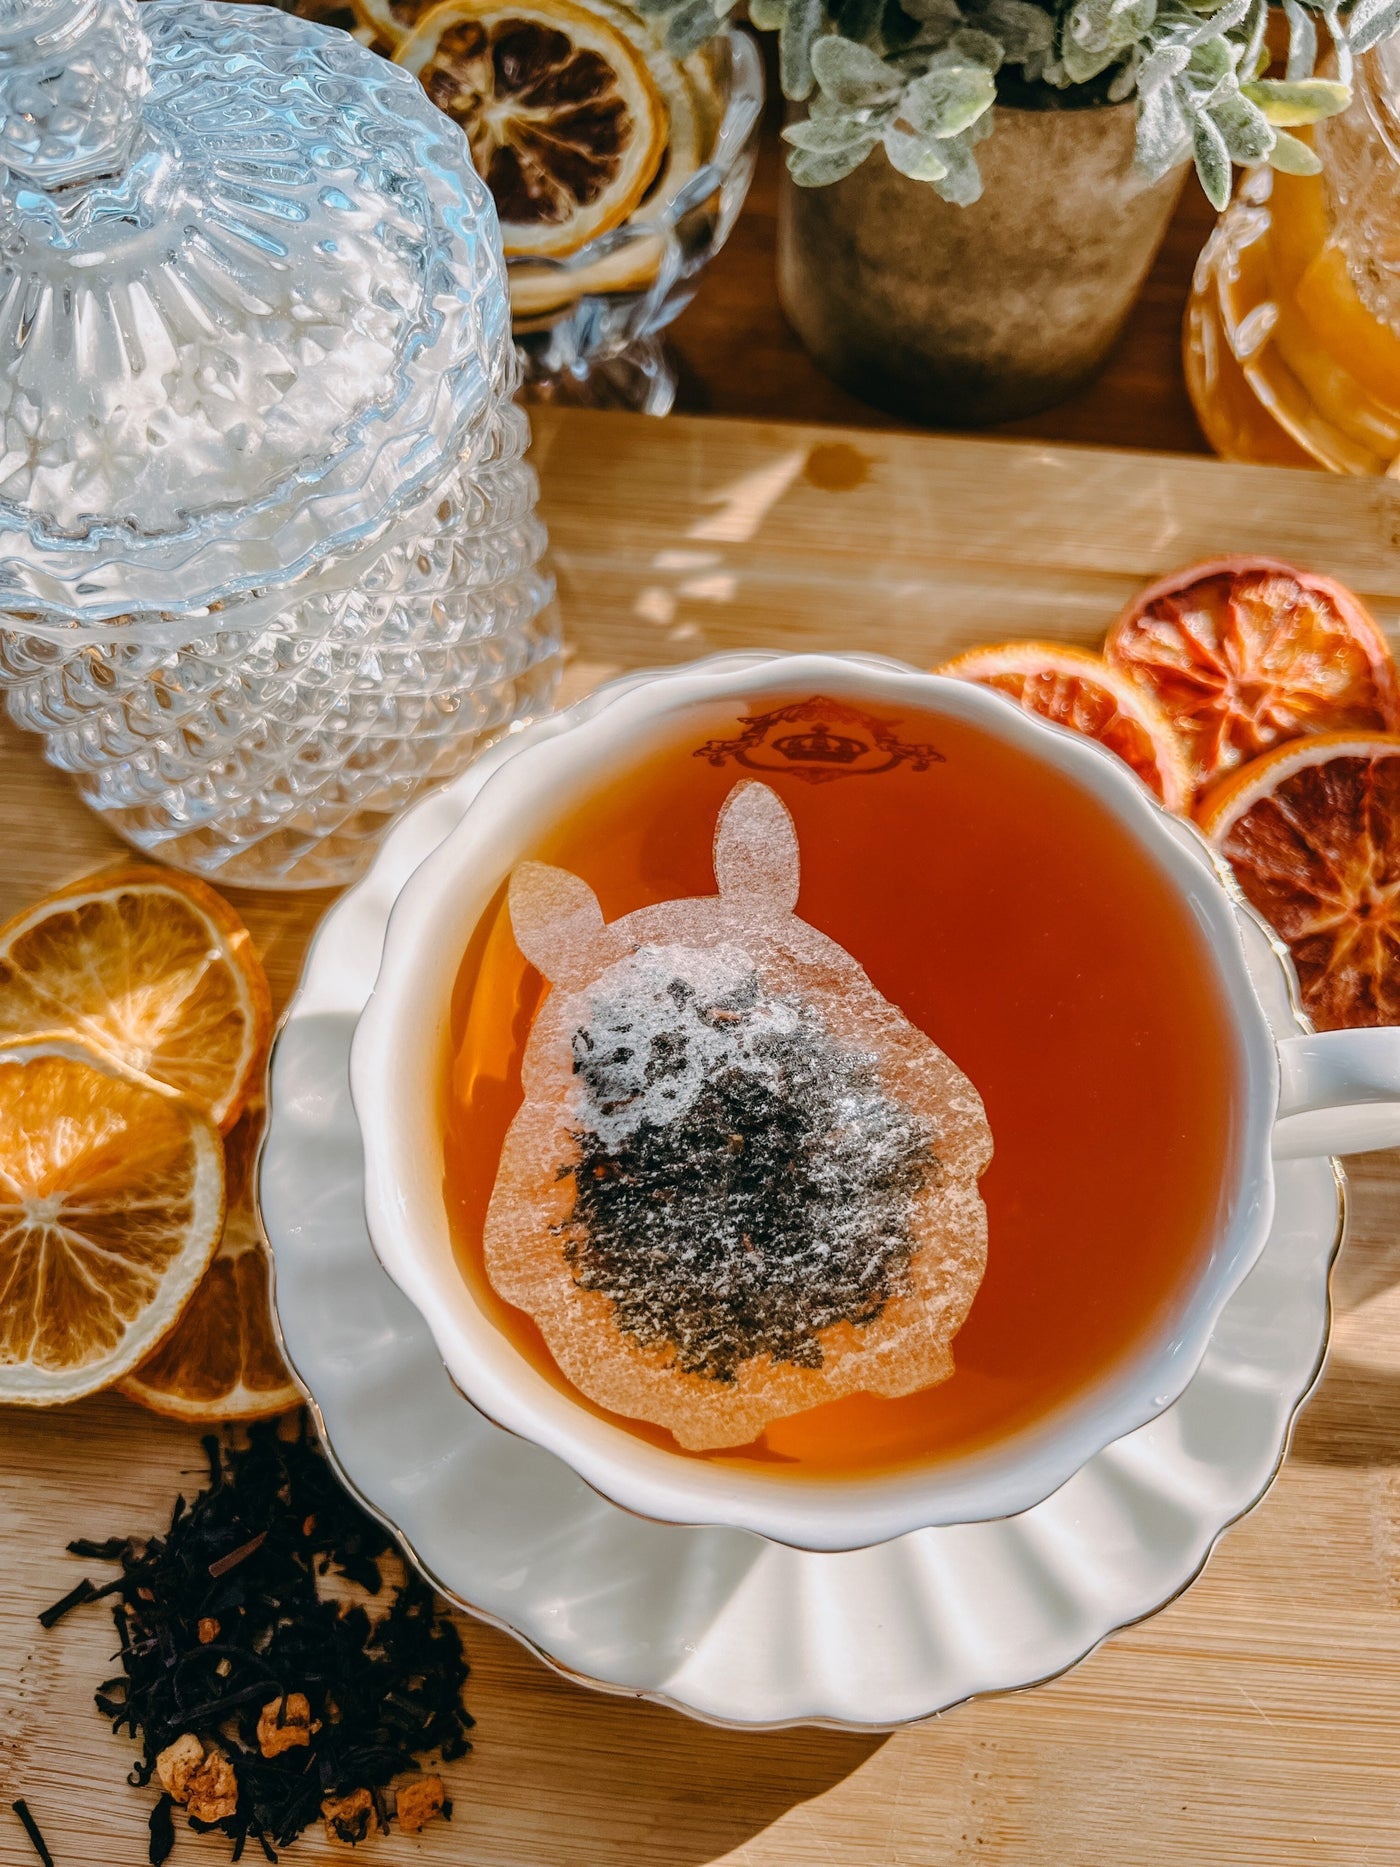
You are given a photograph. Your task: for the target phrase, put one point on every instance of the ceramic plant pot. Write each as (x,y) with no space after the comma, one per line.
(975,314)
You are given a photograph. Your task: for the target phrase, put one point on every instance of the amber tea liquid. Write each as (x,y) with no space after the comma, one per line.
(1010,917)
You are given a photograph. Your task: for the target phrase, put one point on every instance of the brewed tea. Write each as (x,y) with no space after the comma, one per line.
(1009,916)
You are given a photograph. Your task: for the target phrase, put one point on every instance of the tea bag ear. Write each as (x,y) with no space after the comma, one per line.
(756,855)
(556,920)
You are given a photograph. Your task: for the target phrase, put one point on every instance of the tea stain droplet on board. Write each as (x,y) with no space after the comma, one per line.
(837,467)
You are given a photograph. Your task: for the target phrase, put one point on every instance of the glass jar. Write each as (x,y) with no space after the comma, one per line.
(269,564)
(1292,338)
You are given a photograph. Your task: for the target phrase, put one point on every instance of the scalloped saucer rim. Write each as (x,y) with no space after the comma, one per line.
(717,1623)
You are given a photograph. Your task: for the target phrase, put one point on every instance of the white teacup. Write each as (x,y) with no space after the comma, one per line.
(1334,1092)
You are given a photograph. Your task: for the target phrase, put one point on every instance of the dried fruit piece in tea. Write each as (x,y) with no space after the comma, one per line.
(415,1804)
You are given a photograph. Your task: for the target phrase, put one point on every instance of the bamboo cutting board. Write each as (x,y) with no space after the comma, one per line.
(1257,1721)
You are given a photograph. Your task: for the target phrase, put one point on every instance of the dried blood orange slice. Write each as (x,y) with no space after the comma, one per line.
(221,1360)
(1074,688)
(111,1204)
(1312,832)
(151,968)
(565,121)
(1246,653)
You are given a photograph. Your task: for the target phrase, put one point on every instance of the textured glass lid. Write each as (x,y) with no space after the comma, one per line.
(245,270)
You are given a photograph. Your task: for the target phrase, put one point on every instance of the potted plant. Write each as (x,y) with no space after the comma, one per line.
(977,188)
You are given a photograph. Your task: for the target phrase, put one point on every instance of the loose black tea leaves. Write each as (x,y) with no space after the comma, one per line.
(31,1828)
(265,1693)
(771,1197)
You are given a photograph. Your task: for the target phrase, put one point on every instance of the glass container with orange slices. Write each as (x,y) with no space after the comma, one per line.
(1292,338)
(618,161)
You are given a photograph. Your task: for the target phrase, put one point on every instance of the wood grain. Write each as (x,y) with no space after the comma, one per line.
(1253,1723)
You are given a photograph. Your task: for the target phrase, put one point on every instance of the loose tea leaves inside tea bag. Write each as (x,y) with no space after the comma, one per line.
(741,1183)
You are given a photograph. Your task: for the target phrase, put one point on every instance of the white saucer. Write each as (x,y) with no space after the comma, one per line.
(719,1623)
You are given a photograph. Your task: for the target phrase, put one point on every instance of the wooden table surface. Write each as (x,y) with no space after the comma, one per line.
(1254,1722)
(738,357)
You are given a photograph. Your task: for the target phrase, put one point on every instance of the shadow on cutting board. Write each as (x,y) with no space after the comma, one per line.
(566,1777)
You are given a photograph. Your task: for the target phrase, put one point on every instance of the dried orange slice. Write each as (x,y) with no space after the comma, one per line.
(1246,653)
(565,121)
(151,968)
(221,1360)
(1312,832)
(1077,689)
(111,1204)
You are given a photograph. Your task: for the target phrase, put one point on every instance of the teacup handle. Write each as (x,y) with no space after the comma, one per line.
(1339,1094)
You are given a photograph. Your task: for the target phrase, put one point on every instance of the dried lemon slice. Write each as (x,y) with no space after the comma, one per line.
(688,92)
(221,1360)
(565,121)
(111,1204)
(151,968)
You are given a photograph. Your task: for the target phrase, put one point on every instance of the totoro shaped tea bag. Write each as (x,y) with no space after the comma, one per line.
(741,1183)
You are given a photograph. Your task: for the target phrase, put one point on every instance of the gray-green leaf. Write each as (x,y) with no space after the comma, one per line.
(970,46)
(801,23)
(1097,32)
(943,103)
(1160,66)
(810,170)
(1080,64)
(1302,41)
(1341,45)
(1212,65)
(918,157)
(1370,21)
(1124,80)
(1025,32)
(1244,127)
(1212,161)
(1232,14)
(1289,101)
(1108,25)
(1163,132)
(829,136)
(767,15)
(1293,156)
(689,27)
(852,75)
(962,185)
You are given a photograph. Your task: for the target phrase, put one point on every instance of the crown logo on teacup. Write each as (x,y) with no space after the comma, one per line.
(863,747)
